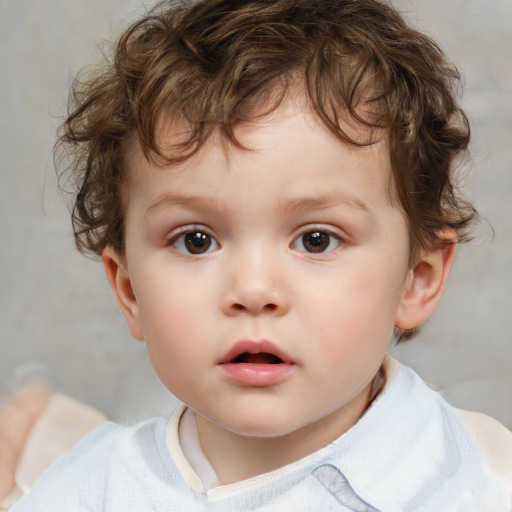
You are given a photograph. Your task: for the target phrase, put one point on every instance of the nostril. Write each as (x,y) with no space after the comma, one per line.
(267,307)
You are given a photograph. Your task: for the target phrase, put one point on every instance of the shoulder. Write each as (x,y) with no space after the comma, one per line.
(114,444)
(493,440)
(109,459)
(421,430)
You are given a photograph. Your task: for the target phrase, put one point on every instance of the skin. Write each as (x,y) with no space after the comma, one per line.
(332,312)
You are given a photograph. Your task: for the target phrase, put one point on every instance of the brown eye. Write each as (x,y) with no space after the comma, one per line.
(317,241)
(195,242)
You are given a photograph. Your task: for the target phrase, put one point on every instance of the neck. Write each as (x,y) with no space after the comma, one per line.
(236,457)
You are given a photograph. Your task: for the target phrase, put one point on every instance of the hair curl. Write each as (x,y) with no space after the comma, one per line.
(217,63)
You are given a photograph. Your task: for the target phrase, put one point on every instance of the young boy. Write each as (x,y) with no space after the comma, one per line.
(270,187)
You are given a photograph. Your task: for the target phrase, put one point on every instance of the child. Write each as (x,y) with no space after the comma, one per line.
(270,187)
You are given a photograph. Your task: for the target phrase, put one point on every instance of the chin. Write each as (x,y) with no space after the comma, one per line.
(260,427)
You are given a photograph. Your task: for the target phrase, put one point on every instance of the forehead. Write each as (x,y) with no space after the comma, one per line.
(289,148)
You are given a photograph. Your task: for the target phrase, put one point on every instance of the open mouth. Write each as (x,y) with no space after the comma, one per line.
(255,352)
(256,363)
(259,358)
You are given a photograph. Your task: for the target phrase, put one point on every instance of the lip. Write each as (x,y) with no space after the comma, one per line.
(255,374)
(254,347)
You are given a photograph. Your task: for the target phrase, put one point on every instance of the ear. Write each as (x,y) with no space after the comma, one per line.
(119,280)
(426,282)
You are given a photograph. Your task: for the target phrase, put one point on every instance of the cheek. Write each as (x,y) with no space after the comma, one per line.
(169,297)
(172,336)
(355,310)
(176,315)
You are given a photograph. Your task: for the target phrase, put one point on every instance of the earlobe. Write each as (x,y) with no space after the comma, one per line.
(426,283)
(119,280)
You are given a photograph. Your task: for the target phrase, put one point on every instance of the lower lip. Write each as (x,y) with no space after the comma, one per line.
(257,375)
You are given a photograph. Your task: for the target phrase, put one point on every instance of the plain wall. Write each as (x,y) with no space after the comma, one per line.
(56,308)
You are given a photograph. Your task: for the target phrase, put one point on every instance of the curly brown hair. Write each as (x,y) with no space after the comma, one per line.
(216,63)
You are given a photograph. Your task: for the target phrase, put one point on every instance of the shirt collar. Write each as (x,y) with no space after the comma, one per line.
(407,452)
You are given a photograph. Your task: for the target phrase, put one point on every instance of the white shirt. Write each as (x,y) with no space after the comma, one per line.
(410,452)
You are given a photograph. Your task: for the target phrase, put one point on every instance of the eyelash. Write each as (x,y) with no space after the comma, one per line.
(186,246)
(204,242)
(322,235)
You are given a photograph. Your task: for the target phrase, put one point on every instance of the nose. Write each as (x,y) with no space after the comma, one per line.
(255,286)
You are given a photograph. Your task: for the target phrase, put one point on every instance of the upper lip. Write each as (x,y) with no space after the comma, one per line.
(254,347)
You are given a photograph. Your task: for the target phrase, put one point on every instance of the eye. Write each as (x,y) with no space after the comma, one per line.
(317,241)
(194,242)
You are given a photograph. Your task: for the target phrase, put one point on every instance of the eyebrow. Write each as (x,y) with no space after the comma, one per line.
(323,202)
(289,206)
(183,201)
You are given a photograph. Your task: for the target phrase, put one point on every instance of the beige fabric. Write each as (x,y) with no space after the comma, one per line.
(11,499)
(494,441)
(64,422)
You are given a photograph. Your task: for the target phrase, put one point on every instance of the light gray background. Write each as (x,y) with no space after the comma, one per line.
(55,306)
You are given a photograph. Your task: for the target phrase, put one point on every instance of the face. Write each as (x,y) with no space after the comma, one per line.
(266,282)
